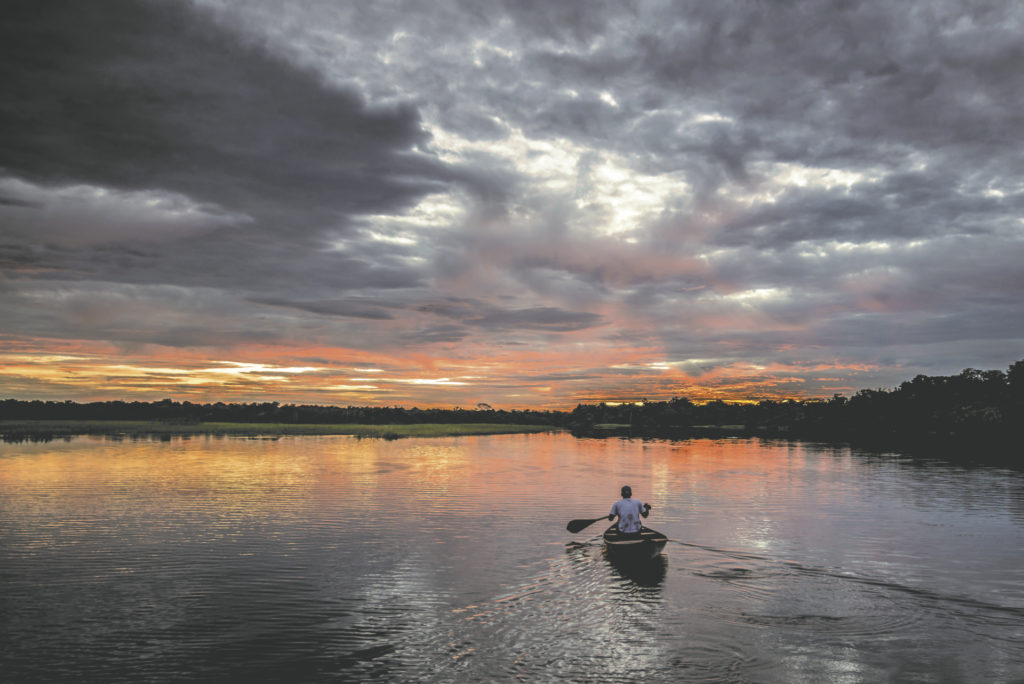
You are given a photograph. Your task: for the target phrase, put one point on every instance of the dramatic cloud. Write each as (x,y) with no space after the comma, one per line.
(523,203)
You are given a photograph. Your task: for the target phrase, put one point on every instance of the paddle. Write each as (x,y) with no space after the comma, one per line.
(575,526)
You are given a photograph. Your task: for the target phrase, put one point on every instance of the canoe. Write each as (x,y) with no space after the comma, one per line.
(648,544)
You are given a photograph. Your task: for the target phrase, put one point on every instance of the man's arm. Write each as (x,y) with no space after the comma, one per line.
(645,510)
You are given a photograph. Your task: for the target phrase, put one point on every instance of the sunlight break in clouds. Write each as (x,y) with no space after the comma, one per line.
(526,205)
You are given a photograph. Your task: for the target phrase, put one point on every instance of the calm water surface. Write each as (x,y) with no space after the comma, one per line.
(337,559)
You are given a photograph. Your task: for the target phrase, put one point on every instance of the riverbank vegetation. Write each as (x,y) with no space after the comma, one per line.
(974,405)
(42,430)
(185,412)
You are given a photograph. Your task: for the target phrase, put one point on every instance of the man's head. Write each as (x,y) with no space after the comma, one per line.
(626,492)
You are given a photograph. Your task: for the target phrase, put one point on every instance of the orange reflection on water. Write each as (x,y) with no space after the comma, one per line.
(548,478)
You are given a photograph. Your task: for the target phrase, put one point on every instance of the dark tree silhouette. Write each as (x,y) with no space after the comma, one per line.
(974,405)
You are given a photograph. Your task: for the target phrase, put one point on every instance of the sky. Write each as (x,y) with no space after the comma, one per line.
(520,203)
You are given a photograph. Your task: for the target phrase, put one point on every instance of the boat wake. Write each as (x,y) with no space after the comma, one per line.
(923,594)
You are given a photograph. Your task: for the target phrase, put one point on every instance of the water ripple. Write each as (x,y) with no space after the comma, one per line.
(319,559)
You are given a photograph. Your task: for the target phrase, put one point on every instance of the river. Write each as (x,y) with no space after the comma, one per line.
(322,559)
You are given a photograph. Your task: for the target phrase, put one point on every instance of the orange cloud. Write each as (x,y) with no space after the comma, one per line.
(584,368)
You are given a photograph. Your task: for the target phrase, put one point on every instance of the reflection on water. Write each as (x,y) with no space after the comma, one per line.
(646,573)
(326,558)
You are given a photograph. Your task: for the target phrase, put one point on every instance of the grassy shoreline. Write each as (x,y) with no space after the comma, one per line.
(34,429)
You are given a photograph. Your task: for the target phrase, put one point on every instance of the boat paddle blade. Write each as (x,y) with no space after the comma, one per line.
(575,526)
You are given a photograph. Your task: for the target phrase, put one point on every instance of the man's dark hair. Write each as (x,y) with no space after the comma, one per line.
(626,492)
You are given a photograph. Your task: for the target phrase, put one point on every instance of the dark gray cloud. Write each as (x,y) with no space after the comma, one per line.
(347,309)
(488,316)
(444,333)
(546,318)
(137,95)
(137,122)
(699,184)
(13,202)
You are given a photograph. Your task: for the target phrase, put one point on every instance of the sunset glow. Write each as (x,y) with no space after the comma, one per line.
(395,204)
(96,377)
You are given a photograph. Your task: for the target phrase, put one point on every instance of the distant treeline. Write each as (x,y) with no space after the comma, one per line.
(266,412)
(973,405)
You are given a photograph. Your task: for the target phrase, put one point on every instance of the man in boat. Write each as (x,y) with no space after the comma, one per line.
(629,511)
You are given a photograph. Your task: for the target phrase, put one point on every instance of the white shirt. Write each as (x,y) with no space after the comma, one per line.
(628,511)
